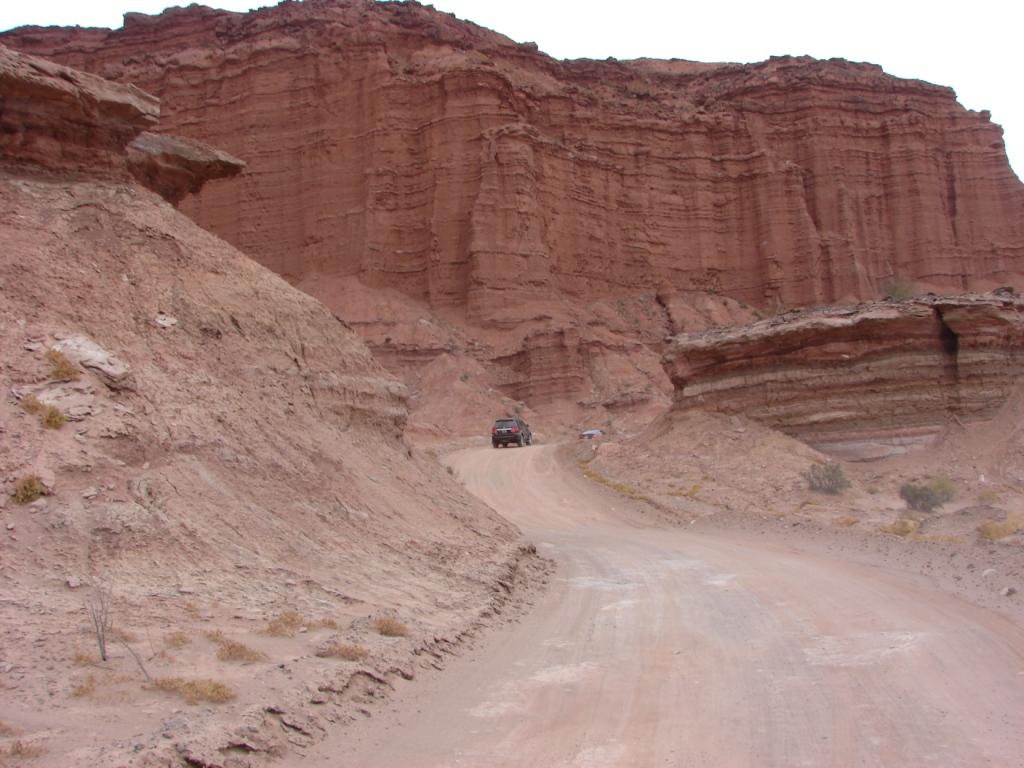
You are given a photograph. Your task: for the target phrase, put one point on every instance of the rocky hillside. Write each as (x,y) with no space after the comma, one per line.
(550,211)
(184,432)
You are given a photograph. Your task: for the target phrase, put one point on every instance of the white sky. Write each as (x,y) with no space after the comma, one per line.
(972,46)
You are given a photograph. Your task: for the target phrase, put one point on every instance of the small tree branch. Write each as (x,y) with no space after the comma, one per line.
(136,657)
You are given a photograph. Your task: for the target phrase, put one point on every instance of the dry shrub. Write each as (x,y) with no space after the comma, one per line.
(826,478)
(993,530)
(988,496)
(845,522)
(284,625)
(61,367)
(86,687)
(901,527)
(324,624)
(191,608)
(390,627)
(84,658)
(52,418)
(345,651)
(232,650)
(99,606)
(23,750)
(195,691)
(31,404)
(215,636)
(28,488)
(925,498)
(177,639)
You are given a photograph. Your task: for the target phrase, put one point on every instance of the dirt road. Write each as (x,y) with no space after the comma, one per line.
(657,646)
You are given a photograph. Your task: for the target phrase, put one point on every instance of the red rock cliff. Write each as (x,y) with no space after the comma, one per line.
(397,144)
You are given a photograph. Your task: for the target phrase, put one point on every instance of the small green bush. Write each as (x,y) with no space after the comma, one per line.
(925,498)
(826,478)
(899,288)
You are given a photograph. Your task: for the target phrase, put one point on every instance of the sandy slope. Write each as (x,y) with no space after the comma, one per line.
(661,646)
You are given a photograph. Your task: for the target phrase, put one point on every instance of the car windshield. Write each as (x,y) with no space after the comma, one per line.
(504,423)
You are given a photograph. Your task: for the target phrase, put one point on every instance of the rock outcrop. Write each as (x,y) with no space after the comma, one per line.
(211,448)
(860,382)
(173,166)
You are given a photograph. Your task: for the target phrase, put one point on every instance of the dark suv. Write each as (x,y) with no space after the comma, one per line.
(511,431)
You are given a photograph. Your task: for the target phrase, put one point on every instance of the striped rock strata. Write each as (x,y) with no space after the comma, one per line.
(860,382)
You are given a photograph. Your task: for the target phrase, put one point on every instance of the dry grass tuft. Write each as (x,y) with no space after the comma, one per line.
(215,636)
(52,418)
(845,521)
(86,687)
(993,530)
(901,527)
(84,658)
(32,404)
(28,488)
(191,608)
(938,538)
(61,367)
(124,635)
(345,651)
(324,624)
(195,691)
(390,627)
(686,493)
(621,488)
(284,625)
(177,639)
(232,650)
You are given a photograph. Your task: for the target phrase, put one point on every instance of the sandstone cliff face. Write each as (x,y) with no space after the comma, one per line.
(860,382)
(231,451)
(398,144)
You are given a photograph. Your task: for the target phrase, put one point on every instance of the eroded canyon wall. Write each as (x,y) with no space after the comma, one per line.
(415,151)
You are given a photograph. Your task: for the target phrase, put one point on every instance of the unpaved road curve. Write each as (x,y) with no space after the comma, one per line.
(660,647)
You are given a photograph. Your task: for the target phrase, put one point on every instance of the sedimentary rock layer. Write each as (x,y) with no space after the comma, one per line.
(58,118)
(419,152)
(859,381)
